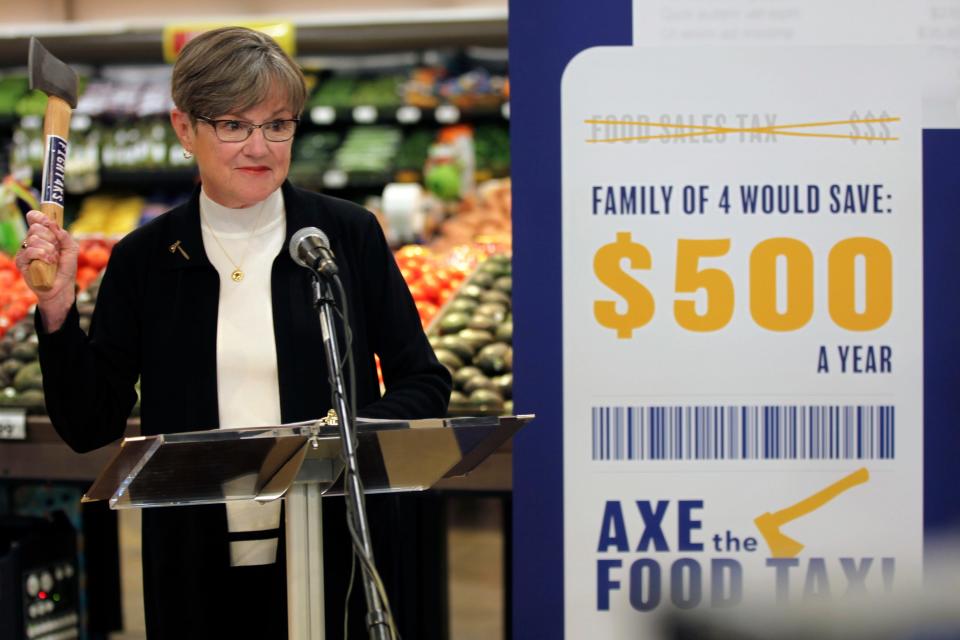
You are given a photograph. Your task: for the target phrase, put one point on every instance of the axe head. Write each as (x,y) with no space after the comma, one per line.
(781,545)
(50,75)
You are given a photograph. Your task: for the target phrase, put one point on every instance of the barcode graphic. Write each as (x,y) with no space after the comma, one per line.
(757,432)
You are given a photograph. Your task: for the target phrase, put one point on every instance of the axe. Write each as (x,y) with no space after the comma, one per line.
(782,545)
(59,82)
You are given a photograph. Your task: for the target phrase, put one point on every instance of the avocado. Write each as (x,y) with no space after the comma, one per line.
(478,382)
(495,359)
(466,305)
(28,377)
(453,322)
(482,322)
(482,279)
(493,295)
(10,366)
(476,337)
(25,351)
(504,332)
(31,398)
(449,359)
(487,400)
(462,375)
(504,284)
(504,385)
(495,310)
(471,291)
(454,343)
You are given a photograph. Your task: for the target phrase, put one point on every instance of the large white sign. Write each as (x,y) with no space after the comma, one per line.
(742,328)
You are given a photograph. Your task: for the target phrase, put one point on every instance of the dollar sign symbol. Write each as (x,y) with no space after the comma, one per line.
(606,264)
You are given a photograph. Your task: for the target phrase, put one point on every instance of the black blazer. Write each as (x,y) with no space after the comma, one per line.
(156,318)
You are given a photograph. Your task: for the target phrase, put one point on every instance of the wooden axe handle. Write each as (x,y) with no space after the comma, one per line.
(56,122)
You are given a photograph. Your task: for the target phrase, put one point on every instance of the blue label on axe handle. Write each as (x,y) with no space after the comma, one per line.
(54,164)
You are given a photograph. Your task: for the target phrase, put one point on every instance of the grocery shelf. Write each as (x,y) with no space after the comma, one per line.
(445,114)
(317,33)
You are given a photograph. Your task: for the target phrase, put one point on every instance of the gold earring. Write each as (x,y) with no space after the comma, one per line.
(187,155)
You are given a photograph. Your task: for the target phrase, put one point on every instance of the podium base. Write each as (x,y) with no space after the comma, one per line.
(304,523)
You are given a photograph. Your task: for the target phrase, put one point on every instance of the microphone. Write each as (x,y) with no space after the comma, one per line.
(310,248)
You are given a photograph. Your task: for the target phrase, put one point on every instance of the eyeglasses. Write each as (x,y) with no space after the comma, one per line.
(240,130)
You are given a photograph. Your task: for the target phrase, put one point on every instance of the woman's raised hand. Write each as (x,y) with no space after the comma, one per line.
(47,242)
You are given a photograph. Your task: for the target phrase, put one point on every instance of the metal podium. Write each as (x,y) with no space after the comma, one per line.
(301,463)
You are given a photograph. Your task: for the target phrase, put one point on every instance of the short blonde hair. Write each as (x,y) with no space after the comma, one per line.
(232,69)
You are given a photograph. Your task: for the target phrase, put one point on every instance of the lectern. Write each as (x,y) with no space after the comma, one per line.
(300,463)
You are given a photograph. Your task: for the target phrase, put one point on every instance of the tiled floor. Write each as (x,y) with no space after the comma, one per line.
(475,560)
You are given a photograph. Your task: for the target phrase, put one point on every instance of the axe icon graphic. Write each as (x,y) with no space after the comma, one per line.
(782,545)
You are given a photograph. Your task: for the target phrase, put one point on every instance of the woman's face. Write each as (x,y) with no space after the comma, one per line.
(237,174)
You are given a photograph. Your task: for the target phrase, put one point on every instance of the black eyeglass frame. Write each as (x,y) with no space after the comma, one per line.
(249,127)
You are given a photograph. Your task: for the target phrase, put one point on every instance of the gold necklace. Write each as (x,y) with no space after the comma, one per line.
(237,274)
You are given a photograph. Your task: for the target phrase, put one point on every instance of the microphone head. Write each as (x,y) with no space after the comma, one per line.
(303,240)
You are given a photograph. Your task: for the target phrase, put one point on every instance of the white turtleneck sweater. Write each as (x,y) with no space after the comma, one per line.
(247,387)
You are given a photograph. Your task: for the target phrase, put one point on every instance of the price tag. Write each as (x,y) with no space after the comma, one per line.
(323,115)
(13,424)
(447,114)
(335,179)
(364,114)
(409,115)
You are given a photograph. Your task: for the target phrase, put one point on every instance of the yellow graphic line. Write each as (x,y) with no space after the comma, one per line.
(669,125)
(782,545)
(704,130)
(695,134)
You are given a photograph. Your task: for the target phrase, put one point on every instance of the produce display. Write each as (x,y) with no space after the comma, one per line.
(431,280)
(12,88)
(21,383)
(108,215)
(312,155)
(491,143)
(412,154)
(477,89)
(345,91)
(367,153)
(473,338)
(15,297)
(484,218)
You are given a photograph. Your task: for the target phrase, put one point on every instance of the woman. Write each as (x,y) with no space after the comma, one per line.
(205,306)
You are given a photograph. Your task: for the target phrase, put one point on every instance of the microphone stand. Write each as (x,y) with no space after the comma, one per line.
(324,302)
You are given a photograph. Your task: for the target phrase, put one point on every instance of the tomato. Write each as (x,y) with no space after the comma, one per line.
(413,251)
(416,290)
(16,310)
(408,275)
(431,286)
(97,257)
(426,309)
(85,276)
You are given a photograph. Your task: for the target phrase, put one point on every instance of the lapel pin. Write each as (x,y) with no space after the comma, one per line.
(176,247)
